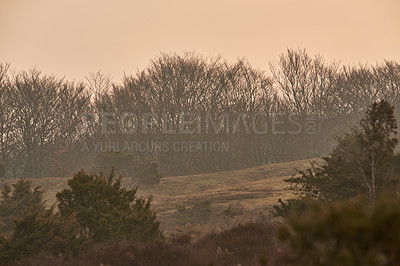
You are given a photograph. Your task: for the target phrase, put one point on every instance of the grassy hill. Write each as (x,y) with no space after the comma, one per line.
(254,190)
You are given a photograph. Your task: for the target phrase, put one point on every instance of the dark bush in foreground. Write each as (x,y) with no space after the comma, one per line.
(345,233)
(28,228)
(16,201)
(42,231)
(94,209)
(244,244)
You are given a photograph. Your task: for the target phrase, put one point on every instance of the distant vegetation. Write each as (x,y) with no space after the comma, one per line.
(2,170)
(346,210)
(363,163)
(347,213)
(141,171)
(199,213)
(94,209)
(304,98)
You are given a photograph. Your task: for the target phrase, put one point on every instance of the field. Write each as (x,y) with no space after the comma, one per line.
(254,190)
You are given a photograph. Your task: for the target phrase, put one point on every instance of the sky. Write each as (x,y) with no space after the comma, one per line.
(72,38)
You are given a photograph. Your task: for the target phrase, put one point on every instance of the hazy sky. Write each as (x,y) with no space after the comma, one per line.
(75,37)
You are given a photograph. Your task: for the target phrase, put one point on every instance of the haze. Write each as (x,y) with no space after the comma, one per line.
(73,38)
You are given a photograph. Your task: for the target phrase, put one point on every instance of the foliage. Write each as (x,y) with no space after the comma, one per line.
(105,210)
(288,207)
(16,201)
(232,211)
(146,172)
(345,233)
(377,143)
(243,244)
(2,169)
(328,181)
(41,115)
(105,160)
(199,213)
(30,228)
(93,209)
(42,231)
(362,163)
(140,170)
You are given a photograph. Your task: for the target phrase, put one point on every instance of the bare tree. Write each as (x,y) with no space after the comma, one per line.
(47,113)
(7,138)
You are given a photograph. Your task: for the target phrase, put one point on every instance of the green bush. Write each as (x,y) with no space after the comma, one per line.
(146,172)
(199,213)
(141,170)
(362,163)
(345,233)
(29,228)
(105,210)
(242,245)
(16,201)
(232,211)
(93,209)
(288,207)
(42,231)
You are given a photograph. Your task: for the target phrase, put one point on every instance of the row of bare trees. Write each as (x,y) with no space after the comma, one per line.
(292,111)
(40,116)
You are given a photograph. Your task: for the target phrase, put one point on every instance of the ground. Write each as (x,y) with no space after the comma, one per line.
(254,190)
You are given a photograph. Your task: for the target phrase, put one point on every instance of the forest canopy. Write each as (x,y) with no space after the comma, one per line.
(50,126)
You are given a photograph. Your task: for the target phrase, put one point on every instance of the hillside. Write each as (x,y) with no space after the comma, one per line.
(253,189)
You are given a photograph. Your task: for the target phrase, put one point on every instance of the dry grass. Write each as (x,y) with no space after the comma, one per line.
(255,189)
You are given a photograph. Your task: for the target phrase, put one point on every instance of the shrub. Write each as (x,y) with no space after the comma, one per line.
(232,211)
(243,244)
(146,172)
(345,233)
(30,236)
(362,163)
(141,170)
(106,210)
(288,207)
(199,213)
(2,169)
(41,231)
(16,201)
(93,209)
(30,228)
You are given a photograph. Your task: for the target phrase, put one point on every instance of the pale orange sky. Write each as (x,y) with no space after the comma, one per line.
(74,37)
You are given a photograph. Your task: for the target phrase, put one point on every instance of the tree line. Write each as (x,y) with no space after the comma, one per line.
(50,126)
(98,220)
